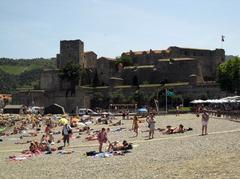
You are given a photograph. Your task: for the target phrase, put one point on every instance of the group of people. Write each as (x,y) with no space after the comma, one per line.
(102,137)
(113,146)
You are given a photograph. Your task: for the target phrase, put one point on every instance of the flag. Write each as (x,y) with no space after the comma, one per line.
(223,38)
(170,93)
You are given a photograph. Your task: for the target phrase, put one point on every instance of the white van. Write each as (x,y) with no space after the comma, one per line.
(85,111)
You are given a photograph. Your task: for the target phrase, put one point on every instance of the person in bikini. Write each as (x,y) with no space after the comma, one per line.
(116,146)
(102,138)
(135,125)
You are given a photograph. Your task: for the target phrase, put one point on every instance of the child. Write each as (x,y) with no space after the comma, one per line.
(135,125)
(102,138)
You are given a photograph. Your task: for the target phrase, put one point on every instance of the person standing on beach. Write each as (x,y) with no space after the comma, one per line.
(123,115)
(66,132)
(135,125)
(102,138)
(205,119)
(151,124)
(177,110)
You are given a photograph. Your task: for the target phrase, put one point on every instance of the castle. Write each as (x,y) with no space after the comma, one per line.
(193,68)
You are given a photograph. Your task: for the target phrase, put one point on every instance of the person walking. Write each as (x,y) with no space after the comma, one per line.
(205,119)
(66,132)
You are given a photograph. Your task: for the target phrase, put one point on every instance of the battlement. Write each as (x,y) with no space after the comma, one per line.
(70,51)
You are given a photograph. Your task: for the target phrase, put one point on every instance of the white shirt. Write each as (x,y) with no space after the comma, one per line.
(66,129)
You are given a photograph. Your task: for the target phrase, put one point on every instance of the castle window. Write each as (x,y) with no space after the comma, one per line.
(194,54)
(185,53)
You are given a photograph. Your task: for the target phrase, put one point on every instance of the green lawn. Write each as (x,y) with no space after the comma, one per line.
(16,69)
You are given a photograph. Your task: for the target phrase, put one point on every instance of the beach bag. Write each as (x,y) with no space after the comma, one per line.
(148,125)
(129,147)
(91,153)
(69,130)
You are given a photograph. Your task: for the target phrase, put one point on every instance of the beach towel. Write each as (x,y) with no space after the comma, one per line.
(66,152)
(20,157)
(103,155)
(118,129)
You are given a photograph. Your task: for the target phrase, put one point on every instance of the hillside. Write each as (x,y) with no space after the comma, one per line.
(22,73)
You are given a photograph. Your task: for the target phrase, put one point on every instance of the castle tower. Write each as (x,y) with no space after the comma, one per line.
(70,50)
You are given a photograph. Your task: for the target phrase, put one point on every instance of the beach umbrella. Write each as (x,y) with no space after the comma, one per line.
(63,121)
(198,101)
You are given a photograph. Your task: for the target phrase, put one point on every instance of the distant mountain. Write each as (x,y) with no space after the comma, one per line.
(22,73)
(228,57)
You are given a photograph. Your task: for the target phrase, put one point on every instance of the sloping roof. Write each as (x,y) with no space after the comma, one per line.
(54,109)
(106,58)
(186,48)
(89,52)
(147,52)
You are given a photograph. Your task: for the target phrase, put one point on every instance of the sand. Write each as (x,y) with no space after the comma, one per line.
(186,155)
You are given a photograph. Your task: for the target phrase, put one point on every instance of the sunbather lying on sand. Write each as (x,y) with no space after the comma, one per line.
(179,129)
(117,123)
(91,137)
(23,142)
(168,130)
(85,128)
(115,146)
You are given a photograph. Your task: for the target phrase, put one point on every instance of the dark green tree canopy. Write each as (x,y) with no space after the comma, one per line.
(229,75)
(71,72)
(124,60)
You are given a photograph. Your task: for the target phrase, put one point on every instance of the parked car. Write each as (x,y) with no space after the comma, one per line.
(86,111)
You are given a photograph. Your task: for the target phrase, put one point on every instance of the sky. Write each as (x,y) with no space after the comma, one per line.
(34,28)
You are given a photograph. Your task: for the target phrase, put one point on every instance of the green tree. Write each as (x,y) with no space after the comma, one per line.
(139,98)
(71,72)
(99,100)
(95,80)
(124,60)
(117,97)
(229,75)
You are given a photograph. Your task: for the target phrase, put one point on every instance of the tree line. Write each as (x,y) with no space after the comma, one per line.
(27,79)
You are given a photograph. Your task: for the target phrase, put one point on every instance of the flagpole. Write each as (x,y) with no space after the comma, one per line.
(222,40)
(166,100)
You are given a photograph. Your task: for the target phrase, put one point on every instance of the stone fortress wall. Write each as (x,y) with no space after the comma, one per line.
(208,59)
(172,65)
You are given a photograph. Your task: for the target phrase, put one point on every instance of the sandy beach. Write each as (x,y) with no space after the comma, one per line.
(186,155)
